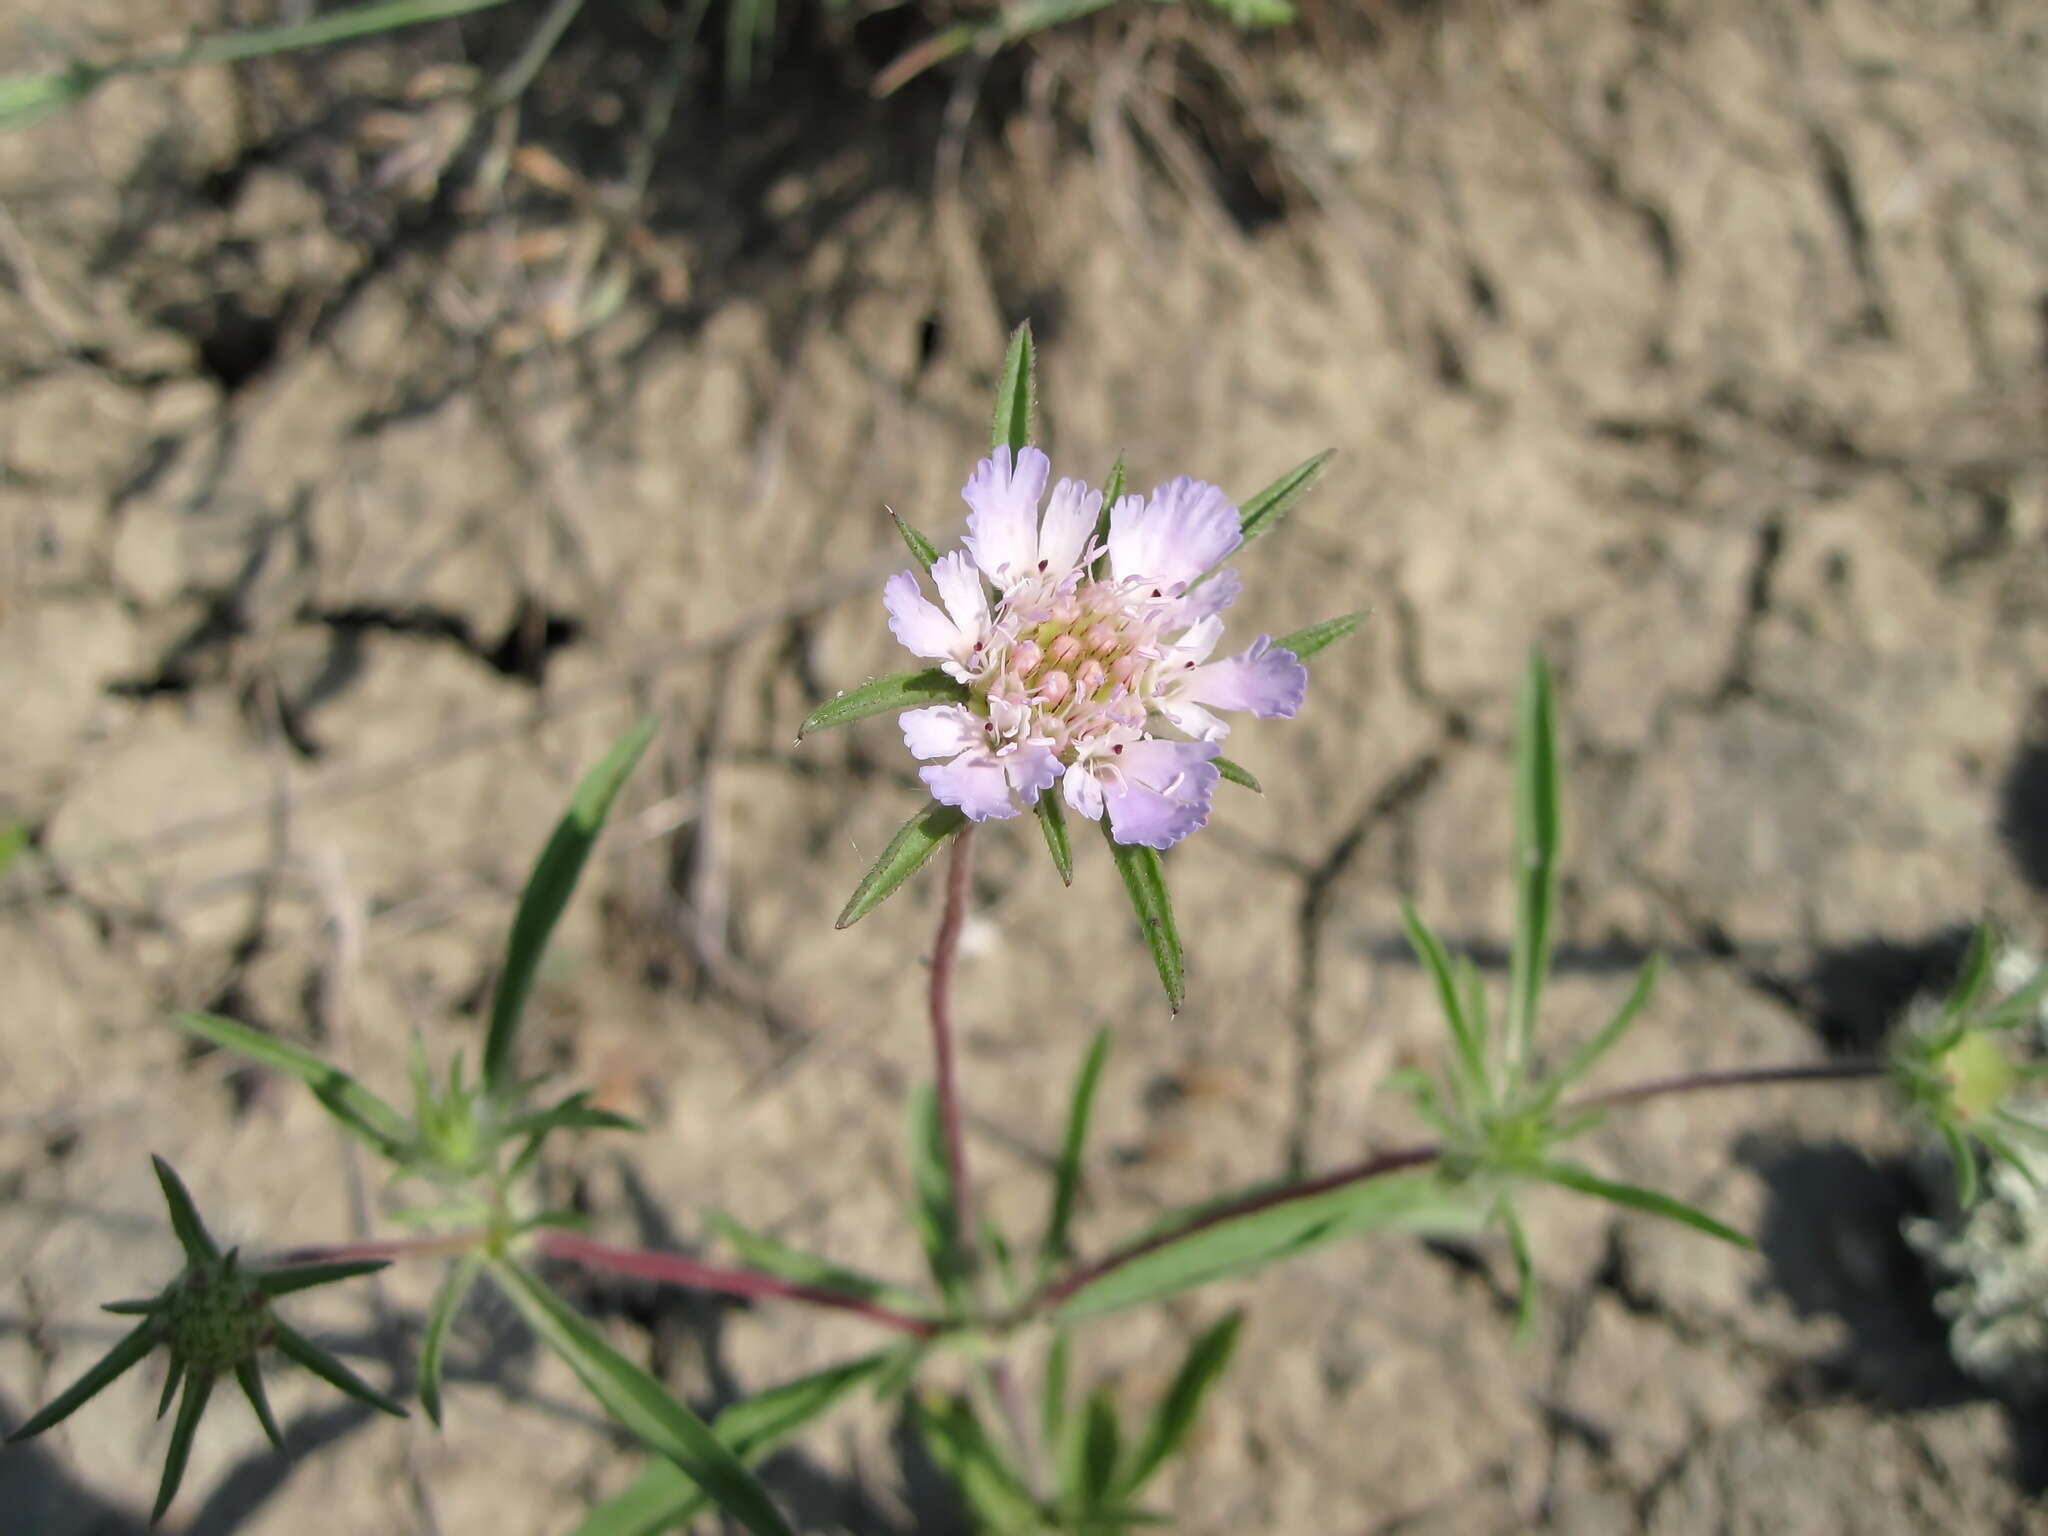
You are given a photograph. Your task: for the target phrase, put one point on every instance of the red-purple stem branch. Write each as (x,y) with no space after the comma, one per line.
(1743,1077)
(675,1269)
(959,869)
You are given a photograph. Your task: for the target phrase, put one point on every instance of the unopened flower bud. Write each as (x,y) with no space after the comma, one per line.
(1054,688)
(1063,650)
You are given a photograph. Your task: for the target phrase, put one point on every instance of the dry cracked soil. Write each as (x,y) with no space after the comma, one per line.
(365,468)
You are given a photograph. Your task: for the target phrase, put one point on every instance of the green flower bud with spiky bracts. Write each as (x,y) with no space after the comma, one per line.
(213,1320)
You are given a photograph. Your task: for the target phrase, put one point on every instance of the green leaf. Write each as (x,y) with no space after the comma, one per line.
(1571,1176)
(1016,396)
(1305,642)
(900,690)
(575,1113)
(1052,1400)
(251,1381)
(448,1300)
(300,1277)
(1587,1056)
(1417,1201)
(1091,1477)
(933,1211)
(554,878)
(173,1375)
(1066,1183)
(1112,493)
(1536,839)
(198,1388)
(1963,1157)
(1236,773)
(779,1259)
(1052,818)
(963,1451)
(1975,976)
(13,841)
(134,1344)
(1207,1358)
(927,553)
(1265,510)
(192,1234)
(1144,878)
(640,1403)
(662,1498)
(919,838)
(1471,1046)
(295,1346)
(1525,1273)
(359,1111)
(139,1306)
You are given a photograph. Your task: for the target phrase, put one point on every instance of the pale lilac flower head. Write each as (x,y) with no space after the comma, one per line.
(1090,667)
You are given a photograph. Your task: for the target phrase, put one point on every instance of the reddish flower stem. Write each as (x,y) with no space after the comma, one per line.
(952,919)
(675,1269)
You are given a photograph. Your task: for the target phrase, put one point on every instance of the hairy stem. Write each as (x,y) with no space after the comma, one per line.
(959,869)
(675,1269)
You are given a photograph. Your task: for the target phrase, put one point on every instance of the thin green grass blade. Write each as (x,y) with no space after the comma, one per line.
(1305,642)
(1536,841)
(300,1277)
(1207,1358)
(881,696)
(1052,820)
(1237,773)
(1649,1201)
(926,552)
(1589,1055)
(251,1381)
(662,1498)
(1263,512)
(198,1388)
(133,1345)
(1470,1046)
(919,838)
(1144,877)
(1094,1479)
(1016,395)
(192,1234)
(640,1403)
(454,1290)
(548,890)
(296,1347)
(1066,1183)
(359,1111)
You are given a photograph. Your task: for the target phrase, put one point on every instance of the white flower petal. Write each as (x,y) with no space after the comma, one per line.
(941,730)
(1002,520)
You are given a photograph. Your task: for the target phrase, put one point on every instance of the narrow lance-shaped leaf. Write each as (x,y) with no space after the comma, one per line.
(1471,1049)
(1976,972)
(173,1375)
(1112,492)
(883,695)
(919,838)
(925,552)
(2019,1006)
(662,1498)
(1144,877)
(1963,1158)
(295,1346)
(640,1403)
(553,880)
(1066,1184)
(359,1111)
(1052,1398)
(779,1259)
(1016,395)
(1207,1358)
(455,1288)
(1571,1176)
(1052,819)
(1091,1478)
(192,1234)
(1305,642)
(1525,1272)
(1237,773)
(301,1277)
(1587,1056)
(134,1344)
(1536,839)
(251,1380)
(198,1388)
(1265,510)
(934,1206)
(575,1113)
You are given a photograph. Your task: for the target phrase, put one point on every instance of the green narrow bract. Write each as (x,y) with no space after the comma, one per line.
(1144,876)
(1052,820)
(640,1403)
(1066,1183)
(933,1205)
(574,1113)
(133,1346)
(1471,1046)
(1206,1360)
(661,1498)
(917,840)
(192,1234)
(1589,1055)
(921,548)
(1237,773)
(554,878)
(295,1346)
(1975,975)
(1525,1272)
(300,1277)
(198,1388)
(1266,509)
(883,695)
(1305,642)
(455,1288)
(251,1381)
(1016,395)
(1112,492)
(1571,1176)
(1536,839)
